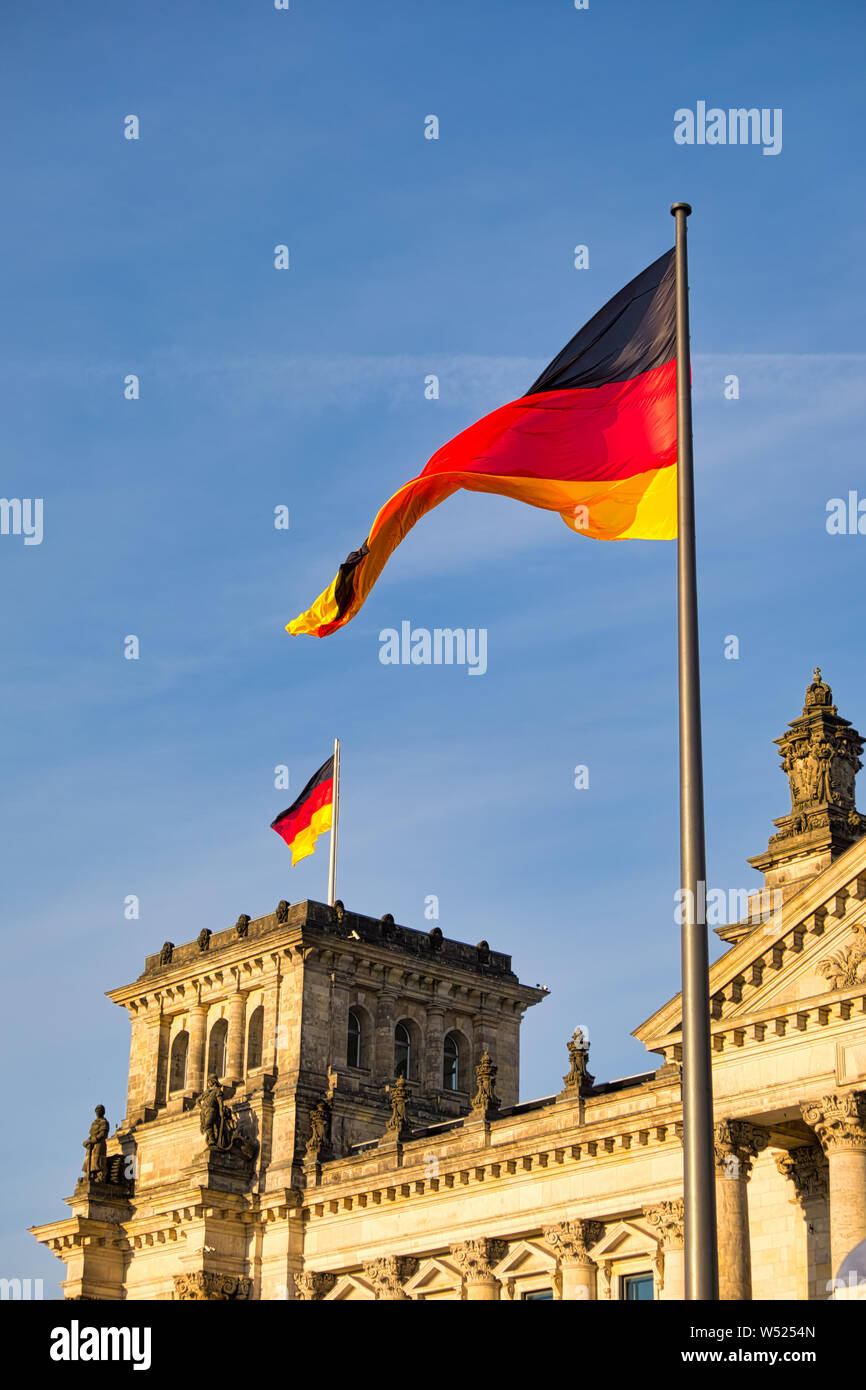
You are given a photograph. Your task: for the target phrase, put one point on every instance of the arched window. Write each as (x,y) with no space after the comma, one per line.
(216,1053)
(402,1050)
(451,1064)
(353,1041)
(177,1067)
(255,1038)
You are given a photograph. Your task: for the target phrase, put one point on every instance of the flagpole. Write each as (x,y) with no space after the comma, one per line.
(335,818)
(701,1260)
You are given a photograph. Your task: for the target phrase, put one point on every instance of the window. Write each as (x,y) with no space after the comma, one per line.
(216,1053)
(177,1068)
(638,1288)
(402,1050)
(537,1296)
(255,1037)
(451,1064)
(353,1042)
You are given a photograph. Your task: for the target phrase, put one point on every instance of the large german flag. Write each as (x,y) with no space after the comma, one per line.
(594,439)
(310,816)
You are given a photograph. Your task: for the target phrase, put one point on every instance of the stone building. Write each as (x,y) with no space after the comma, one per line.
(324,1106)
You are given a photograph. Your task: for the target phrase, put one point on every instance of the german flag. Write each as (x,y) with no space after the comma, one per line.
(594,438)
(310,816)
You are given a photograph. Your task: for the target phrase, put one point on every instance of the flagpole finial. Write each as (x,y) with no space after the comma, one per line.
(681,207)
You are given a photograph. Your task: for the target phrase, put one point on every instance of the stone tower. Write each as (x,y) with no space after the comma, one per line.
(821,757)
(259,1054)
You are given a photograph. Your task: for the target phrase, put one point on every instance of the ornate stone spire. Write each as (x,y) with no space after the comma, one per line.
(820,754)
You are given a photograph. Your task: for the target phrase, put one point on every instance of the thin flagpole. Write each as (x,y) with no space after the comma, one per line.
(335,820)
(701,1260)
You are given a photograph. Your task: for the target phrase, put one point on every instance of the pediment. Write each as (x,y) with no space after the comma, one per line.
(808,955)
(526,1257)
(623,1239)
(434,1276)
(347,1287)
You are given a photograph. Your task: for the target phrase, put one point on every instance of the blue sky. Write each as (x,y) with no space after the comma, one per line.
(306,388)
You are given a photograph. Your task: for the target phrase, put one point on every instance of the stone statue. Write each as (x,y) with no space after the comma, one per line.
(282,913)
(203,939)
(217,1120)
(166,953)
(319,1141)
(96,1163)
(397,1121)
(242,926)
(339,910)
(485,1099)
(579,1078)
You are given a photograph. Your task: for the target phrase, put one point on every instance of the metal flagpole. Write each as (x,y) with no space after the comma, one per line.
(335,818)
(701,1260)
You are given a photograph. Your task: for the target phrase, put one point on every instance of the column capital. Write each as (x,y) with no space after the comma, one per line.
(839,1120)
(389,1274)
(205,1287)
(312,1286)
(737,1144)
(666,1219)
(807,1168)
(571,1240)
(476,1258)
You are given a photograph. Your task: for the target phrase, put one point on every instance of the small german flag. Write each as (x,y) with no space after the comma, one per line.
(310,815)
(594,438)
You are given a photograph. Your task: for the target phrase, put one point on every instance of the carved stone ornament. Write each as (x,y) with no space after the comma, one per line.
(579,1078)
(312,1286)
(242,925)
(166,953)
(847,967)
(839,1120)
(485,1101)
(202,1287)
(387,1276)
(572,1240)
(203,939)
(666,1219)
(807,1168)
(737,1144)
(339,910)
(476,1258)
(282,912)
(820,753)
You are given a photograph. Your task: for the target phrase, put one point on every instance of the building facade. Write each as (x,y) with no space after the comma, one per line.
(324,1106)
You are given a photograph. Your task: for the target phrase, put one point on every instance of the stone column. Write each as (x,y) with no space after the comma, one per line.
(839,1120)
(383,1057)
(160,1090)
(387,1276)
(237,1018)
(571,1243)
(270,1002)
(806,1169)
(475,1260)
(433,1059)
(667,1220)
(196,1054)
(342,979)
(737,1144)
